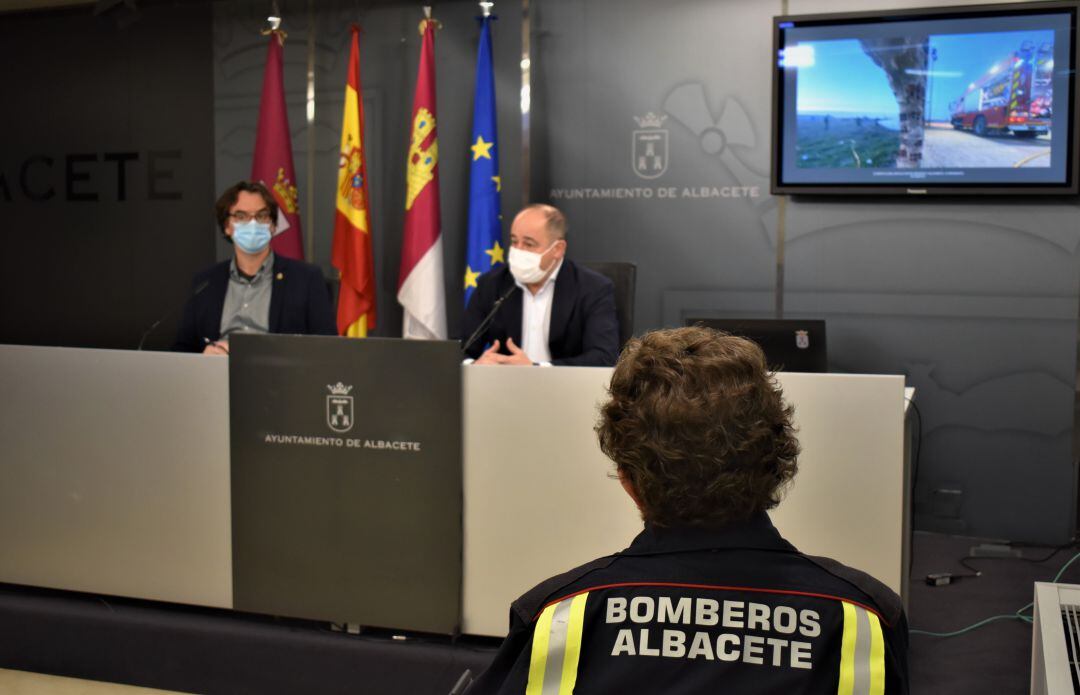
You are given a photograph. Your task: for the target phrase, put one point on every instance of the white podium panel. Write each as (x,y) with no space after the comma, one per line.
(848,498)
(115,473)
(539,494)
(540,497)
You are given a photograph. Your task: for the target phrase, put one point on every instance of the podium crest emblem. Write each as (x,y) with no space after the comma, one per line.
(339,407)
(802,339)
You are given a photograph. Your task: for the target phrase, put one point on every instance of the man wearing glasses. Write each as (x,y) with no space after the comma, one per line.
(255,291)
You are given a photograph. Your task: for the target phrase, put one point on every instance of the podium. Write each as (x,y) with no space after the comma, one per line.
(116,479)
(346,479)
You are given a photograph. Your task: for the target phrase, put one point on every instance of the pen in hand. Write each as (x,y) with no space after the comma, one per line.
(217,343)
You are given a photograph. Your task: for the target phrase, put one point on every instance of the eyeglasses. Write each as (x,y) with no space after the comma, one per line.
(262,216)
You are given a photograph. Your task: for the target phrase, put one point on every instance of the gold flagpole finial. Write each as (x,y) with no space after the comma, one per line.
(485,8)
(428,20)
(279,33)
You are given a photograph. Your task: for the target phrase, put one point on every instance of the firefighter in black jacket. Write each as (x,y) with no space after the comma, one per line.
(709,598)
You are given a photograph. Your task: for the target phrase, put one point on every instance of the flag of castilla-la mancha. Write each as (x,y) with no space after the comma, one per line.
(273,162)
(352,254)
(421,291)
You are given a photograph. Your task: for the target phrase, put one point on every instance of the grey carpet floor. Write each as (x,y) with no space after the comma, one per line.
(993,659)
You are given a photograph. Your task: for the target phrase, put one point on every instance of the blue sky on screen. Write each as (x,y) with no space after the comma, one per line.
(844,81)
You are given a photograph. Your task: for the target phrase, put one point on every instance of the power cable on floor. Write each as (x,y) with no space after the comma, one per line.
(1018,615)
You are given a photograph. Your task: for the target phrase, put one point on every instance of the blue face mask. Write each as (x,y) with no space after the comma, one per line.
(251,236)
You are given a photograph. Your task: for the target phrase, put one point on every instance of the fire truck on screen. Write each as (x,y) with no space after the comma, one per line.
(1014,96)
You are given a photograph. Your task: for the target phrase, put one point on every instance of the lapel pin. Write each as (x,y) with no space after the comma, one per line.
(281,276)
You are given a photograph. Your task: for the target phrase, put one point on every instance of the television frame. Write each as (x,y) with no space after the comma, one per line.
(1071,186)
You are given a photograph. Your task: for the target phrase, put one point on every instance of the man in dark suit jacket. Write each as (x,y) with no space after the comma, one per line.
(256,291)
(555,312)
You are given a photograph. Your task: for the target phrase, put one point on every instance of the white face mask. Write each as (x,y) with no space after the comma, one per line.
(525,265)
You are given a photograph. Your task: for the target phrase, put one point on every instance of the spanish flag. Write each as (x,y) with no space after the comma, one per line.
(421,291)
(352,254)
(273,162)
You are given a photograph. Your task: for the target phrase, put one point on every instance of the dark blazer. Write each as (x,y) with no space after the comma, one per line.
(299,303)
(584,328)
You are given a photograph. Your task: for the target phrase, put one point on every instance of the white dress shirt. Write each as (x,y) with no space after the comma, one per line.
(536,319)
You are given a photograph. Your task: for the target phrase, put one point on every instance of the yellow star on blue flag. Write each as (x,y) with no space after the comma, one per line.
(483,249)
(495,253)
(481,148)
(470,277)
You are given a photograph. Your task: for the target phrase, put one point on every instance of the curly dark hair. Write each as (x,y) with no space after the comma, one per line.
(232,194)
(698,427)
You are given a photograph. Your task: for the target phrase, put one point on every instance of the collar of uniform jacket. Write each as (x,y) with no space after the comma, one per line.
(756,532)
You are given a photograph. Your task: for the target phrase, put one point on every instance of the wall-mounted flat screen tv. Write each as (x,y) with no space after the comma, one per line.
(957,100)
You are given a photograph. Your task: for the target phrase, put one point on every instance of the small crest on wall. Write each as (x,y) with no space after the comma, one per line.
(802,339)
(649,151)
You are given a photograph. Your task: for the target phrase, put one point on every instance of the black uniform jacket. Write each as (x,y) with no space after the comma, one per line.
(299,303)
(694,611)
(584,328)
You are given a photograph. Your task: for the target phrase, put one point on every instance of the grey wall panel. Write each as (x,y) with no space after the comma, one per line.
(699,67)
(975,300)
(104,171)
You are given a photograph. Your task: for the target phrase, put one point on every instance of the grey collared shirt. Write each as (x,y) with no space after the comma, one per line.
(247,302)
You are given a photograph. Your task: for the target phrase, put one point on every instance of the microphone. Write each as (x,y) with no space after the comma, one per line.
(198,290)
(463,683)
(487,320)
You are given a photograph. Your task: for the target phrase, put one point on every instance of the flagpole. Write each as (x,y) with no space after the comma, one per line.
(310,115)
(275,17)
(526,103)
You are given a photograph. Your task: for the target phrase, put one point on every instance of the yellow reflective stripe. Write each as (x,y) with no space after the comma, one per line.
(847,651)
(877,656)
(573,644)
(556,647)
(538,662)
(862,653)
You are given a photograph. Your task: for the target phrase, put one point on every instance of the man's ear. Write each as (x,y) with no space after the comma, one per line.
(630,490)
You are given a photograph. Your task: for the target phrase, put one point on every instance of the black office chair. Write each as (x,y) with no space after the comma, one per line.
(624,275)
(333,286)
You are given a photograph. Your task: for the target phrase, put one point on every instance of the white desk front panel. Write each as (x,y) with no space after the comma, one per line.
(115,473)
(540,497)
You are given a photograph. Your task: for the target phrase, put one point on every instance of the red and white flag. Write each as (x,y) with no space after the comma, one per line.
(421,290)
(273,162)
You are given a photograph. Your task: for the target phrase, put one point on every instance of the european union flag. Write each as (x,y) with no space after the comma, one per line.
(484,248)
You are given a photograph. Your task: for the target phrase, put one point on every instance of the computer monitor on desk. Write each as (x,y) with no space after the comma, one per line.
(790,345)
